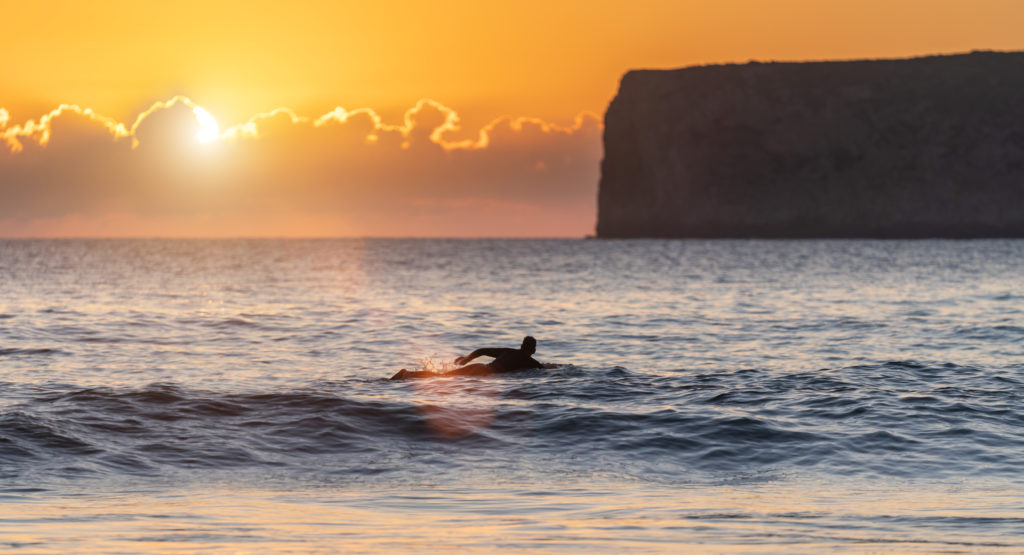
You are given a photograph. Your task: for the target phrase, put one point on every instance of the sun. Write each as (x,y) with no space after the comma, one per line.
(208,128)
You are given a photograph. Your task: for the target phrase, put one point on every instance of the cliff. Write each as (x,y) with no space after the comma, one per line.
(923,147)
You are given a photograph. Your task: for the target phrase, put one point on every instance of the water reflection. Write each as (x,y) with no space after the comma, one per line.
(753,517)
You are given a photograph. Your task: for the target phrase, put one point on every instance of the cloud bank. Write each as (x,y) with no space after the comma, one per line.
(173,172)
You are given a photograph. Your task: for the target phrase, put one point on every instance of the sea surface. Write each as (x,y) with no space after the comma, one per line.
(713,396)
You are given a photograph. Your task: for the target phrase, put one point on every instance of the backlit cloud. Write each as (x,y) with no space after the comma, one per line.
(175,171)
(70,115)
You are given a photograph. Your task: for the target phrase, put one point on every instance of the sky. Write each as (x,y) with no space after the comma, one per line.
(422,119)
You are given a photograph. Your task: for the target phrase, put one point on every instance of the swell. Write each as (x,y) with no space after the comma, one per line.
(899,418)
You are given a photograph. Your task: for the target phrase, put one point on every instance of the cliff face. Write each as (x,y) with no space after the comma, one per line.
(924,147)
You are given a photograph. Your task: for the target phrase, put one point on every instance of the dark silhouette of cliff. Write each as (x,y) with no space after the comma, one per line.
(922,147)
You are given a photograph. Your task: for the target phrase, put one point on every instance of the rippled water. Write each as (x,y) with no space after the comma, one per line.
(754,396)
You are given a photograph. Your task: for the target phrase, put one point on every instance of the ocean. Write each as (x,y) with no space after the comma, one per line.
(176,396)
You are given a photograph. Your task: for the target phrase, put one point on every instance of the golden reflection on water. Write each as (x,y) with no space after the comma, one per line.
(450,408)
(760,518)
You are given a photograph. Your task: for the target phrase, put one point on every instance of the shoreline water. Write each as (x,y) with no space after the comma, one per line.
(757,517)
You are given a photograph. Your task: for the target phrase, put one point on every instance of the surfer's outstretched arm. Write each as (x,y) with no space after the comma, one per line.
(487,352)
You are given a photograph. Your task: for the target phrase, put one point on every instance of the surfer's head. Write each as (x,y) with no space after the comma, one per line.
(529,345)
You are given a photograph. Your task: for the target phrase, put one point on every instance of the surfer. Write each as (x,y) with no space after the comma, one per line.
(505,360)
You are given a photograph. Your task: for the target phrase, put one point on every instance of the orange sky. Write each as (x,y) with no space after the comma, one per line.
(547,59)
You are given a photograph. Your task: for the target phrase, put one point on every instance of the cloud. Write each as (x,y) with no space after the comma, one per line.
(39,132)
(168,125)
(348,172)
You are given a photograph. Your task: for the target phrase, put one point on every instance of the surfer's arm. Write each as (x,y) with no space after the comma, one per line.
(533,363)
(545,365)
(487,352)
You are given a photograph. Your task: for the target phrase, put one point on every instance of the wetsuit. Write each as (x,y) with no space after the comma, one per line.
(505,360)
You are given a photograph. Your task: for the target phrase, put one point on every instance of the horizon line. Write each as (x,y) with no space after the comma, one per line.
(288,237)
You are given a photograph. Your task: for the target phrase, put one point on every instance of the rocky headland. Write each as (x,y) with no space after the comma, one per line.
(921,147)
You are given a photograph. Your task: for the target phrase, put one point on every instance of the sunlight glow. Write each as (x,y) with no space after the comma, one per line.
(208,128)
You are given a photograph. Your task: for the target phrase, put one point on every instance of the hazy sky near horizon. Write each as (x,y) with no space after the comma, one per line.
(309,118)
